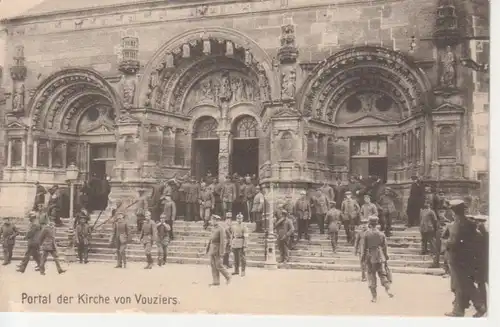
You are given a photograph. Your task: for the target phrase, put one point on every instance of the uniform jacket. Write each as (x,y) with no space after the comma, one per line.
(369,209)
(333,218)
(148,232)
(339,194)
(207,199)
(239,234)
(284,228)
(350,209)
(120,232)
(249,192)
(142,205)
(359,240)
(217,243)
(8,234)
(194,194)
(183,190)
(387,204)
(156,194)
(229,236)
(170,210)
(328,191)
(40,194)
(48,238)
(33,234)
(374,246)
(43,217)
(428,221)
(82,234)
(302,208)
(163,232)
(321,203)
(258,203)
(228,193)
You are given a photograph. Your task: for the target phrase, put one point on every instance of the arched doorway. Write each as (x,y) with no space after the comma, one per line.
(245,154)
(205,147)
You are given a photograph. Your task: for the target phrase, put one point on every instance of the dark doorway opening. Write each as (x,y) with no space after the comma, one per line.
(245,157)
(206,158)
(378,167)
(102,160)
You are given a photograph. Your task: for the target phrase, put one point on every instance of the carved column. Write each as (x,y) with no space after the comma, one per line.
(129,66)
(9,154)
(23,153)
(35,153)
(18,73)
(129,149)
(224,152)
(287,56)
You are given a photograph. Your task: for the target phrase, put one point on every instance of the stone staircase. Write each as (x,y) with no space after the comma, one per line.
(190,241)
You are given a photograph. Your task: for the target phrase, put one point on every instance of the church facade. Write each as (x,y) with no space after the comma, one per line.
(296,92)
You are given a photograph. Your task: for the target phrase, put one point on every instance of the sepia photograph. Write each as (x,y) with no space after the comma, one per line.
(247,157)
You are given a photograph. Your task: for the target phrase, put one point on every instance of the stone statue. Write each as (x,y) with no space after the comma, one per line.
(128,90)
(237,88)
(263,86)
(18,99)
(288,85)
(225,87)
(449,74)
(206,91)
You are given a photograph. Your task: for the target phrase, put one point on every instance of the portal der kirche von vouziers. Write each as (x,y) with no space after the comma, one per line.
(295,92)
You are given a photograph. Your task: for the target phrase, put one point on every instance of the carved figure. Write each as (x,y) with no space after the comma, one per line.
(263,86)
(237,88)
(288,85)
(128,90)
(448,62)
(225,87)
(206,91)
(18,99)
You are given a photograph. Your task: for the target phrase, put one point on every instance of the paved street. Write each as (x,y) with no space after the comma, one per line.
(260,292)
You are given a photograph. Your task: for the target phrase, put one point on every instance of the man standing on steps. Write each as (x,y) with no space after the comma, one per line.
(302,211)
(239,234)
(333,219)
(170,212)
(227,229)
(8,234)
(228,195)
(375,255)
(358,246)
(428,226)
(33,249)
(48,245)
(148,236)
(163,232)
(350,212)
(39,195)
(284,229)
(258,209)
(216,249)
(142,207)
(321,204)
(207,203)
(82,239)
(250,191)
(119,240)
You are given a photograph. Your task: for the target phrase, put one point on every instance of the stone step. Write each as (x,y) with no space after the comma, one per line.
(355,260)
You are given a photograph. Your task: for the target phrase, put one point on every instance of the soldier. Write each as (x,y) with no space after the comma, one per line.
(239,234)
(428,227)
(147,238)
(195,196)
(155,200)
(321,204)
(119,239)
(82,214)
(8,234)
(249,195)
(350,212)
(328,191)
(284,229)
(415,201)
(48,245)
(358,246)
(163,231)
(339,193)
(54,206)
(170,212)
(482,261)
(216,249)
(368,209)
(227,229)
(83,233)
(217,191)
(33,249)
(39,195)
(333,219)
(375,256)
(142,206)
(207,203)
(387,210)
(302,211)
(257,211)
(228,195)
(42,215)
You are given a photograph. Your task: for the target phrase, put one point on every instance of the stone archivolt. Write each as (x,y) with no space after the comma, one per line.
(360,69)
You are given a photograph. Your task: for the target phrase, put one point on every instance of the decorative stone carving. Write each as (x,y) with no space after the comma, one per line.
(207,47)
(129,66)
(18,73)
(288,52)
(225,93)
(446,30)
(229,49)
(18,98)
(265,90)
(286,146)
(288,81)
(448,78)
(447,145)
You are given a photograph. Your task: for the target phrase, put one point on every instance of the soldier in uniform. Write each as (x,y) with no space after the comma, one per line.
(228,195)
(368,208)
(119,239)
(328,191)
(358,246)
(387,210)
(54,205)
(142,206)
(147,238)
(155,200)
(217,191)
(284,229)
(239,235)
(33,249)
(227,228)
(42,215)
(163,231)
(257,211)
(216,249)
(302,211)
(82,214)
(170,212)
(321,202)
(8,234)
(375,256)
(338,190)
(83,233)
(428,226)
(333,219)
(249,195)
(350,212)
(207,203)
(39,195)
(48,245)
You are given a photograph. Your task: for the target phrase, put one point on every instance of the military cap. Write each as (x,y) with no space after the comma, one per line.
(373,219)
(284,211)
(348,192)
(364,220)
(163,215)
(32,214)
(456,202)
(303,192)
(239,215)
(332,202)
(229,215)
(216,217)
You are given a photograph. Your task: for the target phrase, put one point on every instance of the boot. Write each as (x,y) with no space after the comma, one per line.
(118,264)
(243,273)
(374,294)
(150,262)
(124,262)
(388,291)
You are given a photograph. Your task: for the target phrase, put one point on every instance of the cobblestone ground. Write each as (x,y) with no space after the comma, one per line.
(260,292)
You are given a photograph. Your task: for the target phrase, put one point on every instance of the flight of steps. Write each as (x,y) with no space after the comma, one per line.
(190,241)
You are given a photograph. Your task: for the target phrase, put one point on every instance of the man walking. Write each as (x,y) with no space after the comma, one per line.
(170,212)
(428,226)
(8,234)
(239,233)
(48,244)
(284,229)
(147,238)
(258,209)
(302,211)
(119,239)
(82,236)
(358,246)
(216,249)
(163,232)
(350,212)
(321,205)
(333,218)
(33,249)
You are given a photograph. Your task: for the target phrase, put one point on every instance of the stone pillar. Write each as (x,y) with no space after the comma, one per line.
(224,152)
(9,154)
(35,153)
(129,149)
(23,153)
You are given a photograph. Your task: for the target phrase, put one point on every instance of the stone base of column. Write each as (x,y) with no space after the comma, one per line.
(16,199)
(271,263)
(127,171)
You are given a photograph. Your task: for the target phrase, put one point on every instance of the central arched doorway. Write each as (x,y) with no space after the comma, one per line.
(205,147)
(245,151)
